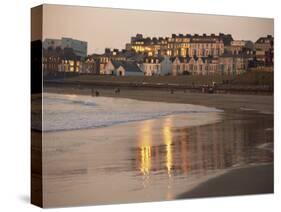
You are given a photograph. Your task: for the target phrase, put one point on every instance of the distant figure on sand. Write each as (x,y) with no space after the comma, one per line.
(97,93)
(203,89)
(117,91)
(211,90)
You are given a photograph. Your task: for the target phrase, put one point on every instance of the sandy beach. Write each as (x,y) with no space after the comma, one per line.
(165,158)
(233,102)
(253,180)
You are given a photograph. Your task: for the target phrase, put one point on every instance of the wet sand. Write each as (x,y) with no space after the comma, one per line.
(228,102)
(241,181)
(161,159)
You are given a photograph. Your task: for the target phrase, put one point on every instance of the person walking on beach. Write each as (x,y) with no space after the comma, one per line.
(117,91)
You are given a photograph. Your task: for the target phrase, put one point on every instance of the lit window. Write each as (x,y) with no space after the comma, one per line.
(71,62)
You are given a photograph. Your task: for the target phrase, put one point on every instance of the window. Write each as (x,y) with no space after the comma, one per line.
(71,62)
(195,67)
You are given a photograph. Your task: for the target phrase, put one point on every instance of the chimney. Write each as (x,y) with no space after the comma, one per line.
(107,50)
(139,36)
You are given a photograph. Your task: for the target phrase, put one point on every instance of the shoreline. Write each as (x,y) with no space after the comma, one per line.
(256,179)
(227,102)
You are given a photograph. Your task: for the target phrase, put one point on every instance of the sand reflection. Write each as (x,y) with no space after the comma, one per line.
(167,137)
(145,147)
(166,150)
(155,154)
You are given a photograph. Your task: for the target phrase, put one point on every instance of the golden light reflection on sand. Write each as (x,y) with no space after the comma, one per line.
(145,147)
(168,140)
(167,134)
(146,156)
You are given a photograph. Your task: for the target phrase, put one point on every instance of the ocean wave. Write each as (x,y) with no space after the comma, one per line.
(71,112)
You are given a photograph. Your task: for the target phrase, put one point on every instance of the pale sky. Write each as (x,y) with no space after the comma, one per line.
(113,28)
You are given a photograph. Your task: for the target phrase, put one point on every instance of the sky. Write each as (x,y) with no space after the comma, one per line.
(112,28)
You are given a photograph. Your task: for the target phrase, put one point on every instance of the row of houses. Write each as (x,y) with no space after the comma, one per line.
(181,45)
(61,60)
(202,46)
(178,55)
(66,61)
(226,64)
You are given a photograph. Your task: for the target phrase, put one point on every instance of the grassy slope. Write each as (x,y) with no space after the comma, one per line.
(250,78)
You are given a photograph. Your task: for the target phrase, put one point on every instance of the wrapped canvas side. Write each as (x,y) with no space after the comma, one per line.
(36,107)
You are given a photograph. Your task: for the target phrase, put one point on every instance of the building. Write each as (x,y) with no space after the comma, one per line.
(70,62)
(264,47)
(60,60)
(226,39)
(237,63)
(264,43)
(79,47)
(91,66)
(180,45)
(151,66)
(148,46)
(102,59)
(195,65)
(52,58)
(52,43)
(179,65)
(206,45)
(237,46)
(122,68)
